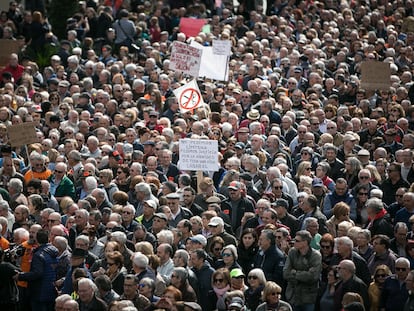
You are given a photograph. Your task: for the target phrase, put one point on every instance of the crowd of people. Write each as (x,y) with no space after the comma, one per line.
(312,207)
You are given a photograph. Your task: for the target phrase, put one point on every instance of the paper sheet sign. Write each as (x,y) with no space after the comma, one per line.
(212,66)
(222,47)
(189,96)
(198,155)
(191,26)
(185,58)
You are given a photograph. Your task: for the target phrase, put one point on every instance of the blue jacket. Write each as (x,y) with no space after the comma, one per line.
(271,262)
(42,274)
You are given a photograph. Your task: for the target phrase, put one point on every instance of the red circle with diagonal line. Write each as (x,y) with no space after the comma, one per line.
(190,99)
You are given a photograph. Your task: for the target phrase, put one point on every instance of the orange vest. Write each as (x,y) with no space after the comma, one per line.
(26,260)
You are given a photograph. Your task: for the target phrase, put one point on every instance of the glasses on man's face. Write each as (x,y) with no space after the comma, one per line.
(400,269)
(363,193)
(278,187)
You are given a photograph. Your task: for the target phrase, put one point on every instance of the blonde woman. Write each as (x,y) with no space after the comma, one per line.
(271,297)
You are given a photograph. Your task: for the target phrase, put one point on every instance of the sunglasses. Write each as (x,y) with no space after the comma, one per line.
(252,277)
(400,269)
(218,280)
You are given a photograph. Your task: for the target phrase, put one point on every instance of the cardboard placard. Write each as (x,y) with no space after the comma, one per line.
(375,75)
(198,155)
(22,134)
(7,47)
(185,58)
(191,27)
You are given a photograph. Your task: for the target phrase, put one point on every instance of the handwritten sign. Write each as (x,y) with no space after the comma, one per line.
(198,155)
(185,58)
(375,75)
(222,47)
(189,96)
(22,134)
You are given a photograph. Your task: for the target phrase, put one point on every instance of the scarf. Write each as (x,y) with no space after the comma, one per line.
(381,214)
(220,292)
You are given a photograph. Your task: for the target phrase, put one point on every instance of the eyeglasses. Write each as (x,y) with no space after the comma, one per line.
(308,168)
(142,285)
(227,254)
(252,277)
(400,269)
(218,280)
(68,133)
(399,195)
(330,128)
(304,153)
(52,220)
(126,212)
(302,132)
(278,187)
(380,275)
(363,177)
(363,193)
(119,172)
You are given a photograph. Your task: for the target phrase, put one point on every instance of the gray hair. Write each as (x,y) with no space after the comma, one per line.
(16,184)
(140,260)
(143,187)
(375,204)
(233,250)
(119,237)
(260,275)
(346,240)
(4,205)
(167,236)
(181,273)
(86,281)
(183,254)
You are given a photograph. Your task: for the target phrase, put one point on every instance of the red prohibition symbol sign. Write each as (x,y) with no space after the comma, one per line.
(189,99)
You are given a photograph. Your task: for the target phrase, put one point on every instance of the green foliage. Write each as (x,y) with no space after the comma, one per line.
(58,12)
(42,58)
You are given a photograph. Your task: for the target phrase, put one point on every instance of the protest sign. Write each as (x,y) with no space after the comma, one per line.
(191,27)
(375,75)
(189,96)
(22,134)
(212,66)
(198,155)
(186,59)
(222,47)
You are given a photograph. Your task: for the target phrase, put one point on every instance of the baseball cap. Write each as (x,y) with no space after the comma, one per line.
(240,145)
(235,185)
(216,221)
(317,182)
(236,272)
(199,238)
(161,216)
